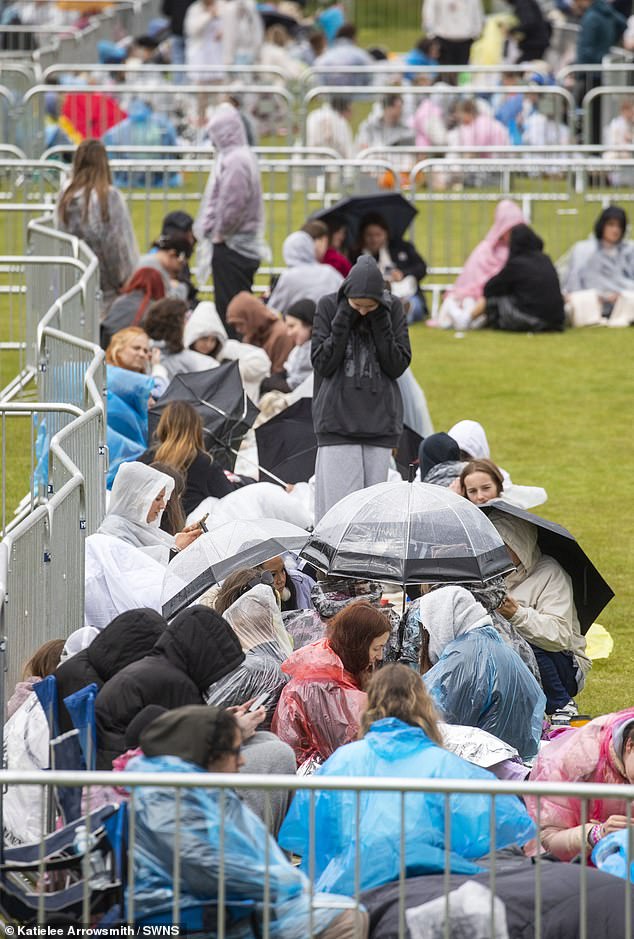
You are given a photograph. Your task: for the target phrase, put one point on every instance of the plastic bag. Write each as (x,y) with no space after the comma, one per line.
(252,862)
(599,642)
(611,854)
(477,746)
(469,915)
(480,682)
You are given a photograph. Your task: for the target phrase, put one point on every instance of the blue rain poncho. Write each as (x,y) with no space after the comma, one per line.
(247,848)
(127,410)
(477,679)
(392,748)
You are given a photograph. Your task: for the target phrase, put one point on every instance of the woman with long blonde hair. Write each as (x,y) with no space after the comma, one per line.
(178,441)
(400,738)
(92,209)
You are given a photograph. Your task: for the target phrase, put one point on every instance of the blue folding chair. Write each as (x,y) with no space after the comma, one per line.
(81,707)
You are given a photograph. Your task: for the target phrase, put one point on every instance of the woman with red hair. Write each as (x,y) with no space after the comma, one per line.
(143,287)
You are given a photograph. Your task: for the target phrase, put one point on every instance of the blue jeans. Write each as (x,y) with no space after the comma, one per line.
(558,672)
(177,52)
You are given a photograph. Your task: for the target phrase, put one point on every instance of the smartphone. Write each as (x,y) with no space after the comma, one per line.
(201,521)
(259,701)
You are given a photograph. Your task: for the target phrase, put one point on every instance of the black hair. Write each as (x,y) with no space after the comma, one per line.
(224,735)
(347,31)
(613,213)
(373,218)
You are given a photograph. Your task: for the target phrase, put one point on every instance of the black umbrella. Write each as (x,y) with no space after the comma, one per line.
(591,591)
(220,400)
(395,209)
(407,452)
(287,445)
(273,18)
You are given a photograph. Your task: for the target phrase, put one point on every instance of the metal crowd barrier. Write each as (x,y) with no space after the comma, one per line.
(93,110)
(55,445)
(600,106)
(27,189)
(561,99)
(560,197)
(538,887)
(242,74)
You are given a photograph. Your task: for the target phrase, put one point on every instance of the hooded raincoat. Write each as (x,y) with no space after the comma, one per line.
(320,708)
(593,754)
(257,622)
(476,678)
(126,639)
(595,266)
(304,278)
(253,866)
(259,326)
(489,257)
(253,362)
(357,360)
(135,488)
(233,210)
(390,749)
(197,649)
(546,616)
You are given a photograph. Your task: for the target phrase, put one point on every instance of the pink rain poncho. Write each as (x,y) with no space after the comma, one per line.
(320,708)
(588,755)
(490,256)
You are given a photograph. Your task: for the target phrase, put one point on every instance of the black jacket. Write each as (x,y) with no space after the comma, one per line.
(535,29)
(204,478)
(196,650)
(530,278)
(126,639)
(175,10)
(406,258)
(357,360)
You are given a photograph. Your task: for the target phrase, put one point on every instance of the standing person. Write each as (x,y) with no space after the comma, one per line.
(601,27)
(343,52)
(242,33)
(175,11)
(329,126)
(232,218)
(455,24)
(92,209)
(360,346)
(202,29)
(533,28)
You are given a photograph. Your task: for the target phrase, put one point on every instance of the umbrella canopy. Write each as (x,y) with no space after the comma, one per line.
(395,209)
(216,554)
(220,400)
(287,445)
(591,591)
(407,533)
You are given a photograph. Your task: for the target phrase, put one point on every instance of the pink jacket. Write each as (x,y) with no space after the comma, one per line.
(489,257)
(587,755)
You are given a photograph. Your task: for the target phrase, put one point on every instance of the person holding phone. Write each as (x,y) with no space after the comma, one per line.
(360,347)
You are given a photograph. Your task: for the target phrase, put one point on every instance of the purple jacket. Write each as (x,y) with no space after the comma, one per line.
(235,201)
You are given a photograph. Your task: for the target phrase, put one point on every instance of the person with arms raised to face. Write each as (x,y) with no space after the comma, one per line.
(360,347)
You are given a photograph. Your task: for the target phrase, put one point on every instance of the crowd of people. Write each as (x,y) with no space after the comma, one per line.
(279,666)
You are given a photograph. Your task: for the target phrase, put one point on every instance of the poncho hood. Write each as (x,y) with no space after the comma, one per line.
(472,439)
(393,739)
(135,488)
(226,129)
(507,216)
(318,662)
(256,620)
(521,537)
(447,614)
(299,248)
(205,321)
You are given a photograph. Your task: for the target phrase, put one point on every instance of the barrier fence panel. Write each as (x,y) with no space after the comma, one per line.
(180,74)
(203,841)
(27,189)
(601,106)
(163,112)
(456,200)
(556,104)
(17,77)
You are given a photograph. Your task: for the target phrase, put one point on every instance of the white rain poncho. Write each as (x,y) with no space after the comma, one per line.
(135,488)
(257,622)
(119,578)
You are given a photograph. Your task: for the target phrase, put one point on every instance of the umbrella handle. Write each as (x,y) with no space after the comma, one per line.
(260,468)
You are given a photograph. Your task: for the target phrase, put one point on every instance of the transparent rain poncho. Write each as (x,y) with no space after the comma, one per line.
(407,533)
(257,622)
(249,852)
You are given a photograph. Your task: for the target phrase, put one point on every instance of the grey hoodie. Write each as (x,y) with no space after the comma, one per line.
(305,278)
(357,360)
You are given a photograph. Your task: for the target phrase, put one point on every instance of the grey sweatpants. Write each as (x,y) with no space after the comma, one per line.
(343,469)
(264,753)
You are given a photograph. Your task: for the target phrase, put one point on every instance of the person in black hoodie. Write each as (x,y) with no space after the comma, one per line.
(126,639)
(194,651)
(360,346)
(533,29)
(525,296)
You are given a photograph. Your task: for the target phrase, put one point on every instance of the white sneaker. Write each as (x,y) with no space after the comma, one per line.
(569,711)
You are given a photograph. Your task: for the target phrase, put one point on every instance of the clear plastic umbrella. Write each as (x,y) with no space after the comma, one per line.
(407,533)
(218,553)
